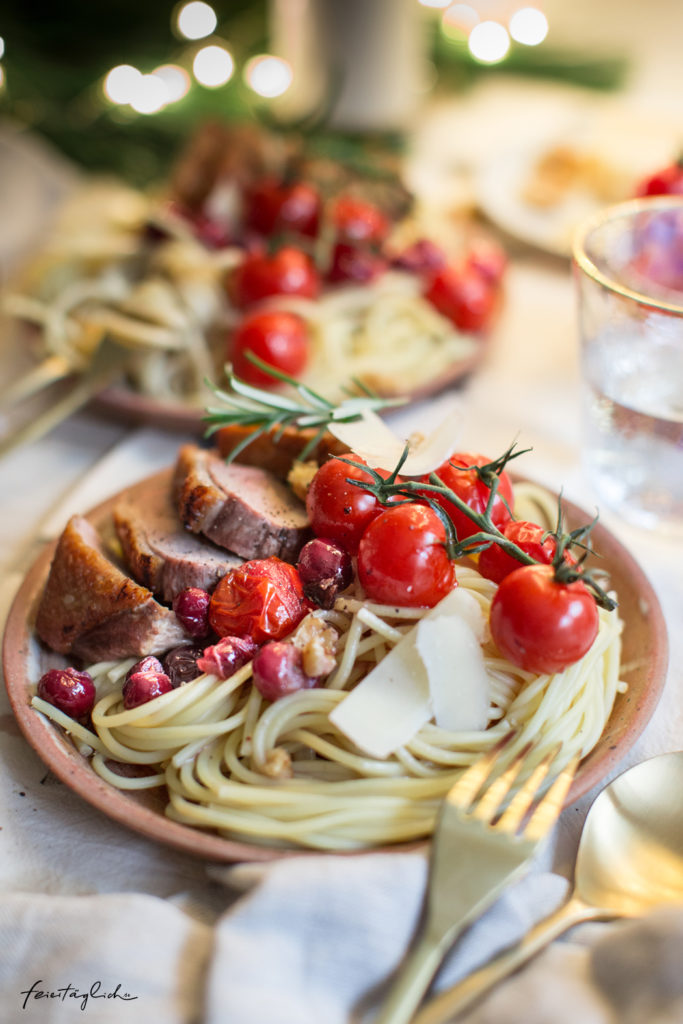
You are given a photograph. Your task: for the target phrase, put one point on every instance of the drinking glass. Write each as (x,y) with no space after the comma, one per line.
(628,270)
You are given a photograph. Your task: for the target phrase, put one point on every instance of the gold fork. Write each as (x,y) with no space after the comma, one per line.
(481,844)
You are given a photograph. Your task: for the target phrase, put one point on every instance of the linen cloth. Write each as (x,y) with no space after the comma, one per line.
(315,941)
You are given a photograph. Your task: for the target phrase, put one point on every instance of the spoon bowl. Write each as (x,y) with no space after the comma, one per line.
(630,860)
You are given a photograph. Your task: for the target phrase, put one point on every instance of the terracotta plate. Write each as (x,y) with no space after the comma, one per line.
(644,650)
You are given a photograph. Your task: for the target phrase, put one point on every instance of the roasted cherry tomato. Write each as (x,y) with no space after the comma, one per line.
(465,483)
(402,558)
(338,510)
(356,220)
(666,182)
(262,600)
(288,272)
(542,625)
(278,338)
(351,263)
(464,296)
(273,206)
(495,563)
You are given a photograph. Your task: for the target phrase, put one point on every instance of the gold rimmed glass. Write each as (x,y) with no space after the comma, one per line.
(628,269)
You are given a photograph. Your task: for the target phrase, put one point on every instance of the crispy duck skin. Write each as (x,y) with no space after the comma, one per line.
(91,609)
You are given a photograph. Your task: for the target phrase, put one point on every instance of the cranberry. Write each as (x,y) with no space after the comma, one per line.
(144,686)
(278,670)
(148,664)
(225,657)
(68,690)
(180,664)
(325,569)
(350,263)
(422,257)
(192,609)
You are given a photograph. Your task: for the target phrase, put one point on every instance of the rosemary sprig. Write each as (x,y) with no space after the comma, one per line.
(388,489)
(266,411)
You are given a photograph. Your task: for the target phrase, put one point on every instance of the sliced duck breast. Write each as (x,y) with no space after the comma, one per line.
(245,509)
(160,553)
(91,609)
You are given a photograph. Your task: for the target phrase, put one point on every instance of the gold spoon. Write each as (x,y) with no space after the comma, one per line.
(630,860)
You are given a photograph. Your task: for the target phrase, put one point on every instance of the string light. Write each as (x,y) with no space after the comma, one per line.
(150,95)
(529,26)
(489,42)
(213,66)
(175,79)
(459,19)
(122,83)
(196,20)
(268,76)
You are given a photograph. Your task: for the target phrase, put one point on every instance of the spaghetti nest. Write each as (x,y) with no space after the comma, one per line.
(281,774)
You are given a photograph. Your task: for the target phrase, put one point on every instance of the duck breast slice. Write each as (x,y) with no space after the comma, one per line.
(245,509)
(91,609)
(160,553)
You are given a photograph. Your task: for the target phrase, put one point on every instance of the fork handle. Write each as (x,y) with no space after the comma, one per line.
(413,981)
(461,996)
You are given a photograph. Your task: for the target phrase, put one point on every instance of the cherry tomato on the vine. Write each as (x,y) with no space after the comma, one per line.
(289,271)
(356,220)
(495,563)
(487,258)
(464,296)
(466,484)
(338,510)
(272,206)
(262,600)
(402,558)
(278,338)
(539,624)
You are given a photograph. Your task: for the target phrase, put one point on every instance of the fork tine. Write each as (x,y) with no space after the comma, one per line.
(470,782)
(521,803)
(546,813)
(491,800)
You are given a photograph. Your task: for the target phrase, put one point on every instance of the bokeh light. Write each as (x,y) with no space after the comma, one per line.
(2,77)
(529,26)
(2,46)
(268,76)
(213,66)
(459,19)
(150,95)
(176,81)
(196,20)
(435,3)
(489,42)
(122,83)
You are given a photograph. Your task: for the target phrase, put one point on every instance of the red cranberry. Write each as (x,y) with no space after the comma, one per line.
(68,690)
(422,257)
(192,609)
(325,569)
(144,686)
(225,657)
(349,263)
(180,664)
(278,670)
(147,664)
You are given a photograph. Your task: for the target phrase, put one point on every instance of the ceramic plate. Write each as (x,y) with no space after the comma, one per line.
(644,651)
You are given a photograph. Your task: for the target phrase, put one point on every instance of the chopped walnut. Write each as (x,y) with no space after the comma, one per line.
(318,645)
(300,476)
(278,764)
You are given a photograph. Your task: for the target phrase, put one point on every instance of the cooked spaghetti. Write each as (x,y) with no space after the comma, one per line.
(280,773)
